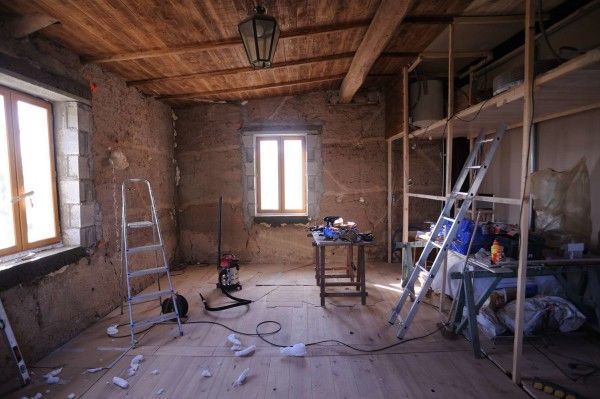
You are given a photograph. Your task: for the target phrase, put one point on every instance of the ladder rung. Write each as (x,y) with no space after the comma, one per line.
(143,272)
(140,224)
(154,320)
(451,220)
(149,296)
(435,244)
(474,167)
(461,194)
(422,268)
(153,247)
(486,141)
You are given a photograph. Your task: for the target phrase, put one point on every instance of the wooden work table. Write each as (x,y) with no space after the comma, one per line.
(356,280)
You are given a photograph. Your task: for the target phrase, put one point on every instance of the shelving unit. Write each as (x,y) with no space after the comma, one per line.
(568,89)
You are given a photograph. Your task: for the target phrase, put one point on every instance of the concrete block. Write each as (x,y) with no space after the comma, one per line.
(72,113)
(250,182)
(84,118)
(73,169)
(248,141)
(87,214)
(84,167)
(311,168)
(67,141)
(249,154)
(311,182)
(86,190)
(75,216)
(310,155)
(87,236)
(251,209)
(85,144)
(248,169)
(71,236)
(62,166)
(69,191)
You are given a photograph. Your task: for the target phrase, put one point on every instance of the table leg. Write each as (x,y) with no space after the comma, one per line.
(349,260)
(361,272)
(322,274)
(480,301)
(317,267)
(594,285)
(472,314)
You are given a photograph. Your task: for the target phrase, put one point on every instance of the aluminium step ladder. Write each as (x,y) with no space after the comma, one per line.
(11,342)
(156,246)
(447,223)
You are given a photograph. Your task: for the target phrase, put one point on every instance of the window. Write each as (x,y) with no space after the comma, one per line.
(28,210)
(280,175)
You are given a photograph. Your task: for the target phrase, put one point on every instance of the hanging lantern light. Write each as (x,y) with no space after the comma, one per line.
(259,33)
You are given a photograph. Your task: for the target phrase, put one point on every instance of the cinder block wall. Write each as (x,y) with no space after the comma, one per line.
(349,155)
(47,312)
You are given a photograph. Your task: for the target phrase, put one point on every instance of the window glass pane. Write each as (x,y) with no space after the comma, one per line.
(7,221)
(37,176)
(292,160)
(269,175)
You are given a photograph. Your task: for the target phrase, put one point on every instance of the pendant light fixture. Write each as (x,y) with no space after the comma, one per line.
(259,33)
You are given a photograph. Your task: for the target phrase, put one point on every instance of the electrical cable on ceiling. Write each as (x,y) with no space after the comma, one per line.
(544,33)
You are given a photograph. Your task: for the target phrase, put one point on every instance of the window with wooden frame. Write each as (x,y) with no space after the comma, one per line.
(28,199)
(280,162)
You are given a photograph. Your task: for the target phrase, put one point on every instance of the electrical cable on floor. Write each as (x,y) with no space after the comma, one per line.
(278,328)
(574,364)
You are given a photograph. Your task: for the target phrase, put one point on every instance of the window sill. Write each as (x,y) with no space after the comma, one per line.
(277,221)
(19,271)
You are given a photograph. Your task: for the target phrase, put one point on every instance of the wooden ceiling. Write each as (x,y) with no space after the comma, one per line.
(183,51)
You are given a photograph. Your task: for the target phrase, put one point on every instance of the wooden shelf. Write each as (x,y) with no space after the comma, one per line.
(570,88)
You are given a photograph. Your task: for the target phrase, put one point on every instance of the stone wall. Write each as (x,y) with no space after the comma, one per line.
(53,308)
(350,163)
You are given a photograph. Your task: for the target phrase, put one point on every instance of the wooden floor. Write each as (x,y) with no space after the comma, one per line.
(434,366)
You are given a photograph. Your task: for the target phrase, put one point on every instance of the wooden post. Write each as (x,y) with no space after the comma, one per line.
(449,137)
(450,112)
(405,154)
(390,188)
(471,78)
(527,122)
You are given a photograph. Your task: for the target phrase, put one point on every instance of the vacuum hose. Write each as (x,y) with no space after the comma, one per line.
(239,301)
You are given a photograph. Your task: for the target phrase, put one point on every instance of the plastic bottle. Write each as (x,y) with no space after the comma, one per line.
(496,251)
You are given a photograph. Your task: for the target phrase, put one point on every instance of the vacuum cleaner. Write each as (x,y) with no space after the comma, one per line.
(228,267)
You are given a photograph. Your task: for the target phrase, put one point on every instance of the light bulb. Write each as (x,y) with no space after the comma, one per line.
(260,30)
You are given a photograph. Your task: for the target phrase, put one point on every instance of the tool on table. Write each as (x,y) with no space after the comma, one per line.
(157,246)
(11,342)
(228,266)
(445,221)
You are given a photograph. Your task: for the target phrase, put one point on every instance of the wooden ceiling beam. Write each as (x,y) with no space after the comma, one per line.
(200,94)
(234,71)
(388,17)
(217,45)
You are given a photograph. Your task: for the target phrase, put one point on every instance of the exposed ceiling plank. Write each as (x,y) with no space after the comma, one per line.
(234,71)
(27,24)
(465,19)
(388,17)
(232,42)
(434,55)
(200,94)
